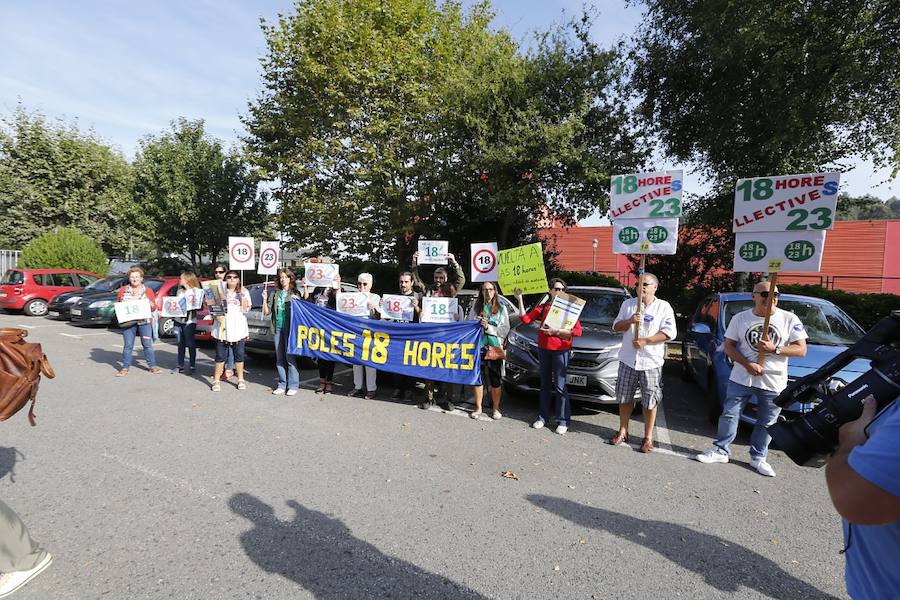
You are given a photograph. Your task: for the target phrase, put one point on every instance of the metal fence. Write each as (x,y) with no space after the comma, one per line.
(8,260)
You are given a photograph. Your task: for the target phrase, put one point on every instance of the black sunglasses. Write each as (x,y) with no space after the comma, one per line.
(232,277)
(766,294)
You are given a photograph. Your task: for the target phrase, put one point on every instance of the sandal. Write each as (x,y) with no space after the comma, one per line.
(321,389)
(241,385)
(619,438)
(327,389)
(216,387)
(476,414)
(156,370)
(496,415)
(122,373)
(647,446)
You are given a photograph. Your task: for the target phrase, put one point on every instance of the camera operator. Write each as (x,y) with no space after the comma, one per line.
(863,479)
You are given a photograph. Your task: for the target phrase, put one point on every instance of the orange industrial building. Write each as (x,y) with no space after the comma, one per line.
(860,256)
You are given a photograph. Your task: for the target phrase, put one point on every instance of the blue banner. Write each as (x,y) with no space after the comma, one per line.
(429,351)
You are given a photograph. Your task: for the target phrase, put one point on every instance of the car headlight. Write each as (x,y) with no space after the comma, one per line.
(519,340)
(73,300)
(100,304)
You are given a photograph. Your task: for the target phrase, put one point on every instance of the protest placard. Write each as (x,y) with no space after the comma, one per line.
(214,292)
(132,310)
(786,202)
(353,303)
(654,195)
(433,252)
(173,306)
(645,236)
(439,310)
(564,311)
(484,262)
(269,255)
(779,251)
(522,267)
(193,298)
(399,308)
(241,253)
(320,274)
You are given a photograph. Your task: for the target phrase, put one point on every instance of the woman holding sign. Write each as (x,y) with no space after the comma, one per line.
(190,294)
(553,357)
(326,297)
(278,308)
(495,321)
(134,294)
(233,329)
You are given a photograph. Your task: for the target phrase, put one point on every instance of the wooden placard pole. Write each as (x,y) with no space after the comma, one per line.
(773,280)
(640,287)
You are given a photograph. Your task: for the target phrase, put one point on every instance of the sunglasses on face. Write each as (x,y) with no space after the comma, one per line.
(232,277)
(648,283)
(362,283)
(220,272)
(766,294)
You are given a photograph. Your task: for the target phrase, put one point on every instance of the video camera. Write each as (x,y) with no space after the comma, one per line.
(812,437)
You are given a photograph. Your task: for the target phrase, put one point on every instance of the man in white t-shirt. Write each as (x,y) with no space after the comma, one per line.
(641,357)
(743,342)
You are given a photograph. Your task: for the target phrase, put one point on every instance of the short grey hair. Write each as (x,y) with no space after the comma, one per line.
(365,277)
(653,279)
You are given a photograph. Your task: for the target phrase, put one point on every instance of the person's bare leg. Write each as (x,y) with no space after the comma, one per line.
(239,367)
(217,372)
(495,397)
(649,422)
(625,411)
(479,395)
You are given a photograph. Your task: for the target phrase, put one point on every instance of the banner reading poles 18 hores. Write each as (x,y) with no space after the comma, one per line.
(786,203)
(646,195)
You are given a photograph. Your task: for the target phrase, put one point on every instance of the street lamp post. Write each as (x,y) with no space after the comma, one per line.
(594,244)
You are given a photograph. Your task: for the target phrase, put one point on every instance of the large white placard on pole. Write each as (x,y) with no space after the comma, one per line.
(484,262)
(786,203)
(654,195)
(645,236)
(241,253)
(779,251)
(433,252)
(269,255)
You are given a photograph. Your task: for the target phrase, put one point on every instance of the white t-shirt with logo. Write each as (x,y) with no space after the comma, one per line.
(658,316)
(745,328)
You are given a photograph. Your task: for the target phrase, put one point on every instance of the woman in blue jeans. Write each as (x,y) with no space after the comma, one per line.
(277,306)
(137,292)
(190,293)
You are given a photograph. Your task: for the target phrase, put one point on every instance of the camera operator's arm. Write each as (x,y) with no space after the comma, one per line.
(854,497)
(735,355)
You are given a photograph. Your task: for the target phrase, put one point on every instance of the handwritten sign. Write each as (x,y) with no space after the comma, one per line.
(779,251)
(786,203)
(320,274)
(433,252)
(173,307)
(269,255)
(645,236)
(439,310)
(399,308)
(522,267)
(484,262)
(564,311)
(654,195)
(241,253)
(353,303)
(132,310)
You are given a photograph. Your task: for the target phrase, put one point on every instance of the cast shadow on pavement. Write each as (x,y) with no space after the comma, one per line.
(320,553)
(8,458)
(723,564)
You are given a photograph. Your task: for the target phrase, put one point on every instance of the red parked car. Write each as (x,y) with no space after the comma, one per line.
(31,290)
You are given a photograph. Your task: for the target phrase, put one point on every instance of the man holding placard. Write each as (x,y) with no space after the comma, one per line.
(645,332)
(744,342)
(441,276)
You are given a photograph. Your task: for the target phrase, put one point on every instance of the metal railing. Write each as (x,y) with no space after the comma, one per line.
(8,260)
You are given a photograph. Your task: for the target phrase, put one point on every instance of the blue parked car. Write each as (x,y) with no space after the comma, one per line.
(703,357)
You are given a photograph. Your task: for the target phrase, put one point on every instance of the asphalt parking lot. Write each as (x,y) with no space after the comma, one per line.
(151,486)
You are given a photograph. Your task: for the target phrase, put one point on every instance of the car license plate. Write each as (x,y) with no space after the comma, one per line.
(579,380)
(76,312)
(52,313)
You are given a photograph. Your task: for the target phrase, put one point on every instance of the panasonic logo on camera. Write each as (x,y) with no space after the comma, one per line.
(855,392)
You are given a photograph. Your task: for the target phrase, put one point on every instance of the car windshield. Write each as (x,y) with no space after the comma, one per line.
(256,291)
(13,278)
(600,308)
(104,285)
(154,285)
(825,324)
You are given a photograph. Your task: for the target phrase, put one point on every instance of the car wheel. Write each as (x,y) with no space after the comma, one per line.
(686,374)
(166,327)
(714,404)
(36,308)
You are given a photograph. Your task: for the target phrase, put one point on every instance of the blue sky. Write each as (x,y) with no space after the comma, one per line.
(126,69)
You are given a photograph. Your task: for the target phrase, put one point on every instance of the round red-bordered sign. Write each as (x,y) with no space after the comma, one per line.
(493,262)
(268,258)
(249,257)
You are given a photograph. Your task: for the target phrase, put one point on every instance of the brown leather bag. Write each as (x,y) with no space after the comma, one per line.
(495,353)
(21,365)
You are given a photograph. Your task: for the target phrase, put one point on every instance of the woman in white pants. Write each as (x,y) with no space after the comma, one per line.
(365,376)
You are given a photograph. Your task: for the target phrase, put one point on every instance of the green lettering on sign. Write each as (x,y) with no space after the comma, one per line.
(753,251)
(657,234)
(799,251)
(629,235)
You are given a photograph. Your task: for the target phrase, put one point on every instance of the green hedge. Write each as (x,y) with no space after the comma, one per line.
(64,249)
(580,278)
(865,309)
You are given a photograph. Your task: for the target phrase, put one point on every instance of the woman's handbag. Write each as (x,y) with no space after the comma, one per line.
(21,365)
(495,353)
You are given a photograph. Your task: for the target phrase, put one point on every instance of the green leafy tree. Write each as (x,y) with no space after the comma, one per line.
(193,194)
(53,175)
(867,207)
(64,248)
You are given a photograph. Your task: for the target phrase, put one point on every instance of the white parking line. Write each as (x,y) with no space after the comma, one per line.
(24,326)
(662,428)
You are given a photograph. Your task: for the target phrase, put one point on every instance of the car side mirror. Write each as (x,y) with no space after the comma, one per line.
(701,328)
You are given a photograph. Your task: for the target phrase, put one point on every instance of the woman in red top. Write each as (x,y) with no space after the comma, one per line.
(136,291)
(553,357)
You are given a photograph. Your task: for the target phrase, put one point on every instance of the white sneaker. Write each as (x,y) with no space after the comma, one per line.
(539,424)
(561,429)
(712,454)
(291,392)
(10,582)
(762,467)
(277,391)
